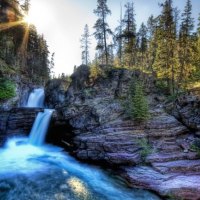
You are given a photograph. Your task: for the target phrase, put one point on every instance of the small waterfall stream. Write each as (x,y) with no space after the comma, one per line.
(41,124)
(30,169)
(36,99)
(40,127)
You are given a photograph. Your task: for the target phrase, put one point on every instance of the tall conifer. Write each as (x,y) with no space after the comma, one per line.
(186,45)
(102,29)
(85,44)
(166,60)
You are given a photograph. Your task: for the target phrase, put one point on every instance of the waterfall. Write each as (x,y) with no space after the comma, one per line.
(36,99)
(41,123)
(40,127)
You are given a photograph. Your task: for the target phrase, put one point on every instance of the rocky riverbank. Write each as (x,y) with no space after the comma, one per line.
(155,155)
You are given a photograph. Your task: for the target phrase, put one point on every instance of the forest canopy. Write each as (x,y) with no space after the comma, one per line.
(167,47)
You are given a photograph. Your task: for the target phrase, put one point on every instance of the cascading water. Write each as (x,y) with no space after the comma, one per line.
(41,124)
(40,127)
(30,169)
(36,99)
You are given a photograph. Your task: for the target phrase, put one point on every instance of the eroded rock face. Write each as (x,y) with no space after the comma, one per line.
(178,185)
(87,103)
(55,92)
(17,121)
(104,134)
(187,110)
(119,142)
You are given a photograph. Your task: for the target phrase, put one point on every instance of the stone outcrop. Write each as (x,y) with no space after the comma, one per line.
(119,142)
(17,121)
(155,154)
(55,92)
(187,110)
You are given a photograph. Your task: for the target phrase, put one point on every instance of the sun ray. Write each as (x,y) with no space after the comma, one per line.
(23,47)
(8,25)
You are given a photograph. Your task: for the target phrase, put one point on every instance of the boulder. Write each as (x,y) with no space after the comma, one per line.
(187,110)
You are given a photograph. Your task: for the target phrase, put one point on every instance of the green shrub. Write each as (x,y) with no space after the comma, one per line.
(196,146)
(7,89)
(146,148)
(137,104)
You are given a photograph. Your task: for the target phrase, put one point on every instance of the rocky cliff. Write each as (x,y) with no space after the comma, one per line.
(17,121)
(187,110)
(155,154)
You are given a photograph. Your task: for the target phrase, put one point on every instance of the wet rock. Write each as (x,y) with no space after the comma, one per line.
(4,186)
(17,121)
(64,187)
(177,185)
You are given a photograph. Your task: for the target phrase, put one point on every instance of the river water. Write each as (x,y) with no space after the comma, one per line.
(29,172)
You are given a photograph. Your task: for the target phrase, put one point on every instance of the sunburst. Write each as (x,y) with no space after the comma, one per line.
(26,23)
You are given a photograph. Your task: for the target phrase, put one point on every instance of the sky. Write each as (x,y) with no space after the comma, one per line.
(62,23)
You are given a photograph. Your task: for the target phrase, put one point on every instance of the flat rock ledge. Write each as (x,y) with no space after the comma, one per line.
(178,185)
(171,168)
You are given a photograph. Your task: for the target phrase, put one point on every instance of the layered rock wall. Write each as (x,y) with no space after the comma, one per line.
(17,121)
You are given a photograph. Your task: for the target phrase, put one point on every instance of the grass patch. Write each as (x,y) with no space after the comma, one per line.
(7,89)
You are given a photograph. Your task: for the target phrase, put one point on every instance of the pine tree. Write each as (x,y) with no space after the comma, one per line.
(85,45)
(166,60)
(198,28)
(51,65)
(142,47)
(186,45)
(152,25)
(138,105)
(111,54)
(197,54)
(118,40)
(129,35)
(176,20)
(102,30)
(26,6)
(37,63)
